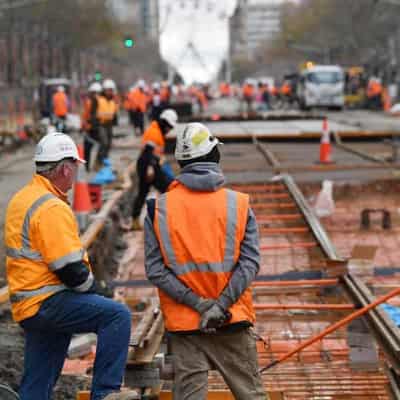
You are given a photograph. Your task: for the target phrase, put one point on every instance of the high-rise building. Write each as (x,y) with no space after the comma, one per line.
(263,24)
(238,30)
(252,24)
(150,19)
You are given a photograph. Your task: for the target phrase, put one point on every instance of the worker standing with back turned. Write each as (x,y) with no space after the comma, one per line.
(149,164)
(51,286)
(202,252)
(60,107)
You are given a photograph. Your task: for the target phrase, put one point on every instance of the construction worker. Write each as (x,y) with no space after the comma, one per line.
(60,107)
(374,94)
(51,286)
(136,104)
(165,93)
(149,164)
(248,94)
(155,102)
(106,115)
(202,252)
(89,121)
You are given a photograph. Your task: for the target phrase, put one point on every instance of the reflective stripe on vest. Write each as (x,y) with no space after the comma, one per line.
(228,263)
(67,259)
(26,294)
(25,251)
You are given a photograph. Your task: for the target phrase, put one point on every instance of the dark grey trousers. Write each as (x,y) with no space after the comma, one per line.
(233,355)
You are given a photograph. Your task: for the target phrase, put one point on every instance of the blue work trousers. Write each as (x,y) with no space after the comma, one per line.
(48,334)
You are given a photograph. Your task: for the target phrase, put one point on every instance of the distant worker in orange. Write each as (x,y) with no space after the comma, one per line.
(225,89)
(374,94)
(201,98)
(89,121)
(106,114)
(202,253)
(156,105)
(60,107)
(263,96)
(149,164)
(248,94)
(136,104)
(286,92)
(165,93)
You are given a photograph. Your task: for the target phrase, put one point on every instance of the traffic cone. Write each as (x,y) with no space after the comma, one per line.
(325,145)
(82,204)
(21,121)
(386,101)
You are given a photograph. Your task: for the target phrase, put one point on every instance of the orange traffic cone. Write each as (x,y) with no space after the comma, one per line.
(21,121)
(82,204)
(325,145)
(386,101)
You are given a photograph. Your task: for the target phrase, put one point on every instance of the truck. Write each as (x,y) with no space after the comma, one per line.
(321,86)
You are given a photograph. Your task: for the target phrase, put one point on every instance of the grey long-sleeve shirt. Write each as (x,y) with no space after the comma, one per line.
(203,177)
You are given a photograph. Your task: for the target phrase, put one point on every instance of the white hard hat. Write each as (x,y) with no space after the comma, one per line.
(55,147)
(141,84)
(156,86)
(170,116)
(194,141)
(109,84)
(60,89)
(95,87)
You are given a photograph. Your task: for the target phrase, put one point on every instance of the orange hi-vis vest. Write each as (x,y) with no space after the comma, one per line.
(286,90)
(200,235)
(165,93)
(155,138)
(248,91)
(106,109)
(37,245)
(136,100)
(374,89)
(86,113)
(60,104)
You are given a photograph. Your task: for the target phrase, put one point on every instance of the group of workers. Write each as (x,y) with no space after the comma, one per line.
(258,94)
(201,252)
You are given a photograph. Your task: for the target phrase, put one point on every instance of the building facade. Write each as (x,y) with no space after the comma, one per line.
(253,24)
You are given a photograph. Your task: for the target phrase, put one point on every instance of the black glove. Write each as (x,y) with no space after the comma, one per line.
(213,318)
(203,305)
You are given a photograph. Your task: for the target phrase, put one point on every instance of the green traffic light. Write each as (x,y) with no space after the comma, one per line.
(129,42)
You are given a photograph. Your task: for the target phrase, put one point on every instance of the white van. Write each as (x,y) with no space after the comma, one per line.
(321,86)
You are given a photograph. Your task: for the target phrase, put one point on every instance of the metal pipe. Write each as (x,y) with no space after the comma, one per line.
(333,328)
(310,282)
(318,306)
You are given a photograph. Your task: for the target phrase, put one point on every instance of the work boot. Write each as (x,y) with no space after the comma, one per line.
(136,226)
(129,395)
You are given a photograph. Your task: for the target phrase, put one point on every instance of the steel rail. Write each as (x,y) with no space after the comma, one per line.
(384,331)
(317,229)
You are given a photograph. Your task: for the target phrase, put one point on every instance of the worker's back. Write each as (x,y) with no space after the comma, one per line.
(60,104)
(200,233)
